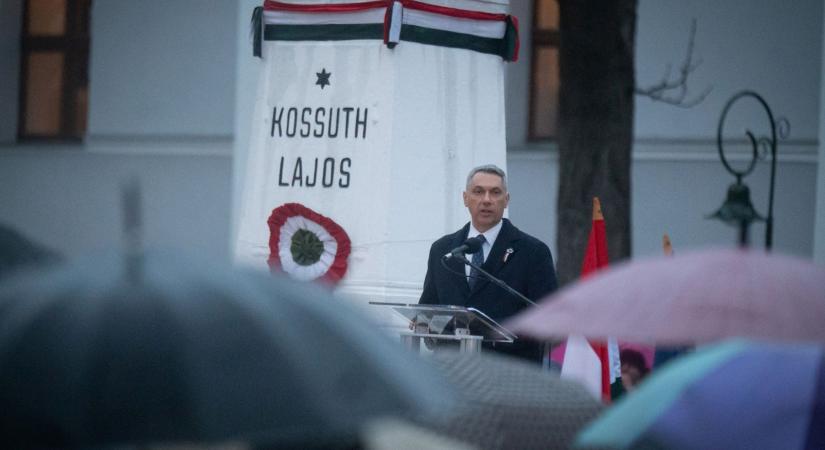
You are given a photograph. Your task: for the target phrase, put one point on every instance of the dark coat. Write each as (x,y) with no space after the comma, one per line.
(528,269)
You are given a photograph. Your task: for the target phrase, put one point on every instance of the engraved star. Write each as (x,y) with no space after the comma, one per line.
(323,78)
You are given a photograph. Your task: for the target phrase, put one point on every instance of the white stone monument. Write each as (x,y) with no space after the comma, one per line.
(368,117)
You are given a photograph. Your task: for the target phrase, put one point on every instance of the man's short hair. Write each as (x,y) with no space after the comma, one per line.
(634,358)
(488,168)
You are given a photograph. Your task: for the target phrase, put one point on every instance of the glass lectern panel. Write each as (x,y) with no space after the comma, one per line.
(439,317)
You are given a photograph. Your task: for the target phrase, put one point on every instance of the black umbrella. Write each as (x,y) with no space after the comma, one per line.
(18,252)
(115,351)
(506,403)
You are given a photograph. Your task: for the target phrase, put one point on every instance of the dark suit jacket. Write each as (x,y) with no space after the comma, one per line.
(529,270)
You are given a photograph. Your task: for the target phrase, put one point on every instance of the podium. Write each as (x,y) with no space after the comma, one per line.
(467,326)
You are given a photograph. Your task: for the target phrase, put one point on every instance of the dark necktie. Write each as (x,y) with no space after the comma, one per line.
(478,259)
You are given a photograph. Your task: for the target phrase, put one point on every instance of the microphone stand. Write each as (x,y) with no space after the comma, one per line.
(545,360)
(497,281)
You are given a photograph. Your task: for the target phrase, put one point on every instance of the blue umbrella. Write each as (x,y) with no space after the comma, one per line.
(735,395)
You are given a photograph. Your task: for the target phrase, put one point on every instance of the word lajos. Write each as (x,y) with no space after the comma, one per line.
(329,172)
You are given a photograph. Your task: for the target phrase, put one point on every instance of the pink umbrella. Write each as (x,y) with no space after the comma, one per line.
(689,298)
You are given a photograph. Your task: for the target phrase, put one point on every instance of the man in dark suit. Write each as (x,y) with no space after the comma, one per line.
(518,259)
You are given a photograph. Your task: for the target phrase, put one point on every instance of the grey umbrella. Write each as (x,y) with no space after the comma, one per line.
(115,351)
(505,403)
(18,252)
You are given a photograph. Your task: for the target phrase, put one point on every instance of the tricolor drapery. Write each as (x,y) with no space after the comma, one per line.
(391,21)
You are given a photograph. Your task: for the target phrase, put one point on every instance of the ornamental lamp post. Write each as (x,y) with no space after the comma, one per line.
(737,209)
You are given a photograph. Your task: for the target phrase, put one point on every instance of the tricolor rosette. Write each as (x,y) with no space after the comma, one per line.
(306,245)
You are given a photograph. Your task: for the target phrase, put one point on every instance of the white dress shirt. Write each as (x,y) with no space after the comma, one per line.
(490,236)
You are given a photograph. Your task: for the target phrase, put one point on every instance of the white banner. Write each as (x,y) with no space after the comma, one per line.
(377,140)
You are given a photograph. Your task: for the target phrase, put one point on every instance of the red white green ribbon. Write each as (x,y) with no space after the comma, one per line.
(393,21)
(306,245)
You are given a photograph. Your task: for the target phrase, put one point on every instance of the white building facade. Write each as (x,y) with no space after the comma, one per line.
(171,82)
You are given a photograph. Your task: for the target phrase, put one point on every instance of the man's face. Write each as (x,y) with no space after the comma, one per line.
(486,199)
(631,376)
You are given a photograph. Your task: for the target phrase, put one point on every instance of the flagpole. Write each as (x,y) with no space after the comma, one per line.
(667,247)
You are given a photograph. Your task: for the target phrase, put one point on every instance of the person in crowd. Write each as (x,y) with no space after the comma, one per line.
(634,368)
(520,260)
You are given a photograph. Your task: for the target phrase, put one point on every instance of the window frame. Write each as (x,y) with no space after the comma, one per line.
(541,38)
(74,45)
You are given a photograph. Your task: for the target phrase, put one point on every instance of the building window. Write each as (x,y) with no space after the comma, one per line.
(54,67)
(544,76)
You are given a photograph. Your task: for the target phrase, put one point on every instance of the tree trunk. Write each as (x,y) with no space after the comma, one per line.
(596,63)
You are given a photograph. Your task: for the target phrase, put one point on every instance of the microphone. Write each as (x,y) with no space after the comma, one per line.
(471,245)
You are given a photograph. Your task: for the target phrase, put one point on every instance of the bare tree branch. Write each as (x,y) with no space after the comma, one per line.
(674,91)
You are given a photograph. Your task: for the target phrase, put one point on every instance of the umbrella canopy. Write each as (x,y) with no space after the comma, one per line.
(115,351)
(505,403)
(734,395)
(688,298)
(18,252)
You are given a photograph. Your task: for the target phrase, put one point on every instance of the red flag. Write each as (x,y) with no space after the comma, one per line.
(587,361)
(595,258)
